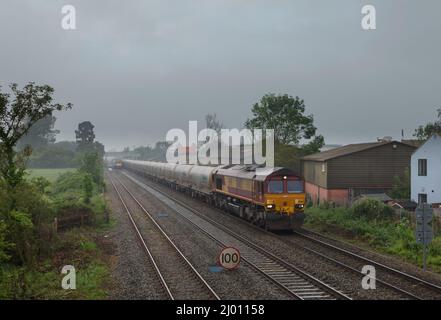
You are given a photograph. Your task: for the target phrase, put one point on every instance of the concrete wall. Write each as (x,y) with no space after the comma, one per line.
(430,184)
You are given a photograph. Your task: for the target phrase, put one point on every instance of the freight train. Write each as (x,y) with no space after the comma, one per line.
(272,198)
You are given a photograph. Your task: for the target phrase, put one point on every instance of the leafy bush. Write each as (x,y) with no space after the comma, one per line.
(401,186)
(372,208)
(31,252)
(91,163)
(76,192)
(88,187)
(393,236)
(22,227)
(4,244)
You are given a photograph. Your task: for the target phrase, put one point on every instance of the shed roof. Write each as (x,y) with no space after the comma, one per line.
(413,142)
(376,196)
(347,150)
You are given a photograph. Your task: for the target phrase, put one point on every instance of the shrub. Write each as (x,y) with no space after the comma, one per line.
(395,237)
(91,163)
(371,208)
(88,188)
(4,245)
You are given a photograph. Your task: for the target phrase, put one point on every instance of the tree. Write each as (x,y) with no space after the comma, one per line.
(4,244)
(17,115)
(91,164)
(212,122)
(160,150)
(40,134)
(85,135)
(285,115)
(88,188)
(401,186)
(22,208)
(425,132)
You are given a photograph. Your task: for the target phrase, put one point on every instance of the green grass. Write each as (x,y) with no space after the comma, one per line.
(386,235)
(77,247)
(50,174)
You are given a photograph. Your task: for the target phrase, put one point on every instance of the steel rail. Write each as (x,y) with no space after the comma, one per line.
(144,245)
(187,262)
(279,262)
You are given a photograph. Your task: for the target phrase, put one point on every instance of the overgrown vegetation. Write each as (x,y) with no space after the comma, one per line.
(33,210)
(401,186)
(33,256)
(372,223)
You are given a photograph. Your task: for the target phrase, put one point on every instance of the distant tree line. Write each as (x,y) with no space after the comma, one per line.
(295,133)
(46,153)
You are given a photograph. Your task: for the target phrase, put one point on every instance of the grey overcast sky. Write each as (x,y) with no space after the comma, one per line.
(138,68)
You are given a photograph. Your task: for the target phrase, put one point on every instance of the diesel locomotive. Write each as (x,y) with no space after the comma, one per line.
(273,198)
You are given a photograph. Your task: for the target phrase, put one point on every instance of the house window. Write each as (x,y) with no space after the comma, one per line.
(422,198)
(323,167)
(422,167)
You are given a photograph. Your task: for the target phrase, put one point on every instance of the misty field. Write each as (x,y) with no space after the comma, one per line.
(50,174)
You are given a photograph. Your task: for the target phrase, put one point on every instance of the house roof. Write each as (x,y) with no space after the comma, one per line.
(347,150)
(432,137)
(404,204)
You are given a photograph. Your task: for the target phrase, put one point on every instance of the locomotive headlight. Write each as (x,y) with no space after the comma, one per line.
(269,206)
(299,206)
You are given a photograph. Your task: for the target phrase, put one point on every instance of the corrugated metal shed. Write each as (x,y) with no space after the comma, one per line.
(359,166)
(342,151)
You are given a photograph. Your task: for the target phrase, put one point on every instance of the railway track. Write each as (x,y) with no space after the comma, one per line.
(427,290)
(404,284)
(296,282)
(168,267)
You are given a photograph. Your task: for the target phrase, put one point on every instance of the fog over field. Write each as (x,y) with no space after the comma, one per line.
(139,68)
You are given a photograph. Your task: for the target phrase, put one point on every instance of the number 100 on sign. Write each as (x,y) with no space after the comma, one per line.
(229,258)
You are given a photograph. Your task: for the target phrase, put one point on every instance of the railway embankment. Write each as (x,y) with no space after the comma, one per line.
(68,232)
(384,233)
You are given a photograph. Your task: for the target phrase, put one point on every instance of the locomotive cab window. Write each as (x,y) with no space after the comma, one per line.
(275,186)
(294,186)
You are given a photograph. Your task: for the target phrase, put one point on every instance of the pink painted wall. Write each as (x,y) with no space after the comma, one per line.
(339,196)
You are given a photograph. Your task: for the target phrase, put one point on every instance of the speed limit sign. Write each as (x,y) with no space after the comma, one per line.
(229,258)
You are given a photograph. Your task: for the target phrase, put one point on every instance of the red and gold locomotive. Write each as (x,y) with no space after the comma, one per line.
(273,198)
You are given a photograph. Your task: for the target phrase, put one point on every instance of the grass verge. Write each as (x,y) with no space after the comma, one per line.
(389,235)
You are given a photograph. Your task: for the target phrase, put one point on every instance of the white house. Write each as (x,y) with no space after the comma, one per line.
(426,172)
